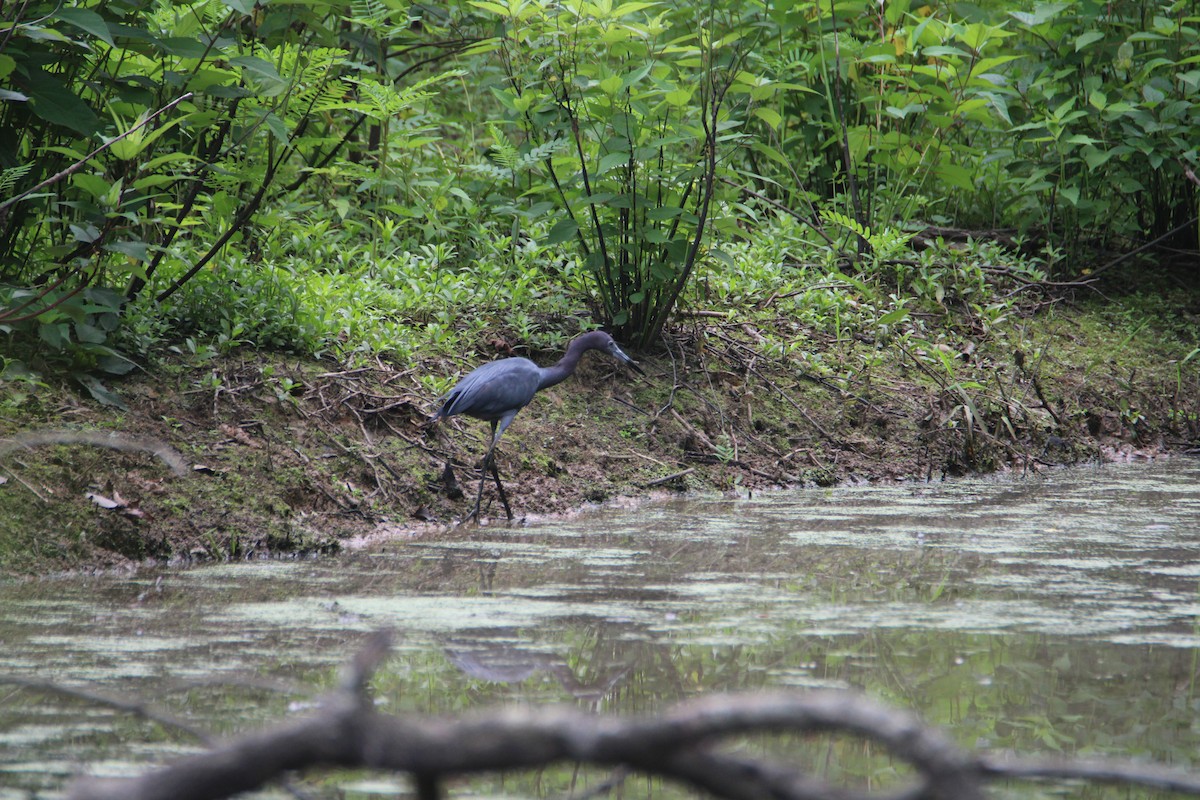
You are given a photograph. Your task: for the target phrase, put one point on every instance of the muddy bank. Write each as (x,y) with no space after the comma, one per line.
(286,456)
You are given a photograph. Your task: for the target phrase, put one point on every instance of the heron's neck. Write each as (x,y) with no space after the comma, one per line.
(562,370)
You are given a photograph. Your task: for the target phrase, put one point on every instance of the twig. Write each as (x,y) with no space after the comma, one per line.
(24,483)
(79,164)
(673,476)
(1146,246)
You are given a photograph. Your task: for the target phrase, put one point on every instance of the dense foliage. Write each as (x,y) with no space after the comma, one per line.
(367,175)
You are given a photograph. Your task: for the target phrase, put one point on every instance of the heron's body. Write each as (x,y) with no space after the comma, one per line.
(495,392)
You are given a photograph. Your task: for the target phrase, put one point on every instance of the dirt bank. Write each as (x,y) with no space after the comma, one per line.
(278,455)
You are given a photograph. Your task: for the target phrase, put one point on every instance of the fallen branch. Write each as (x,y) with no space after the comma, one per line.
(680,744)
(114,440)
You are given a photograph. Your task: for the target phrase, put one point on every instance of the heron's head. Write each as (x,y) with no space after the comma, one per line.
(599,340)
(616,352)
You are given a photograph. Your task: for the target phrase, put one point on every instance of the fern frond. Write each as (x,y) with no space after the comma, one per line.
(884,244)
(503,151)
(369,11)
(540,153)
(843,221)
(489,171)
(10,177)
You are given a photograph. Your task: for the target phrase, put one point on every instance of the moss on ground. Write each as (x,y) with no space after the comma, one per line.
(301,466)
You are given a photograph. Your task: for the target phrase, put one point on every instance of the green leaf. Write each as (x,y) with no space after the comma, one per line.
(87,21)
(139,251)
(942,51)
(116,364)
(227,92)
(679,97)
(769,116)
(611,160)
(186,48)
(771,153)
(85,233)
(1096,158)
(244,6)
(625,9)
(154,181)
(663,213)
(277,127)
(102,300)
(635,77)
(1085,39)
(720,255)
(89,333)
(94,185)
(6,65)
(100,392)
(55,334)
(655,236)
(956,176)
(55,103)
(901,113)
(563,230)
(491,8)
(611,85)
(1041,13)
(263,71)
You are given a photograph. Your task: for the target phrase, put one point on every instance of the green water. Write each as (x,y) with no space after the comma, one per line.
(1048,614)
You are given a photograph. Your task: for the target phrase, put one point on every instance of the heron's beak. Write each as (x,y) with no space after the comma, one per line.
(619,353)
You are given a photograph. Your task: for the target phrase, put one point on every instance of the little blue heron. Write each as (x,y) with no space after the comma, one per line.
(495,392)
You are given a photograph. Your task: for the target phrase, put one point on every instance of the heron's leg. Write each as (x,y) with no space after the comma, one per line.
(483,474)
(500,486)
(498,429)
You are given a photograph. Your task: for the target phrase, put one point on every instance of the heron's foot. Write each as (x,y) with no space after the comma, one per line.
(472,516)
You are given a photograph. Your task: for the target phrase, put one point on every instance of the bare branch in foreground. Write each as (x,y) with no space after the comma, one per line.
(114,440)
(680,744)
(132,707)
(1154,776)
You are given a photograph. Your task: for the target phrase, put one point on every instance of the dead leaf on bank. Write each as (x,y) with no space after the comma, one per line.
(116,503)
(238,435)
(102,501)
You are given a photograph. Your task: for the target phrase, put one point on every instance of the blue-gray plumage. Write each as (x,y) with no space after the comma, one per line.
(495,392)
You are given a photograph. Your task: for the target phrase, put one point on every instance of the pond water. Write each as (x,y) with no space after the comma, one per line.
(1057,613)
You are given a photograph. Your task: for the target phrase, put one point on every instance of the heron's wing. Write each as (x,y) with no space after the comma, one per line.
(493,391)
